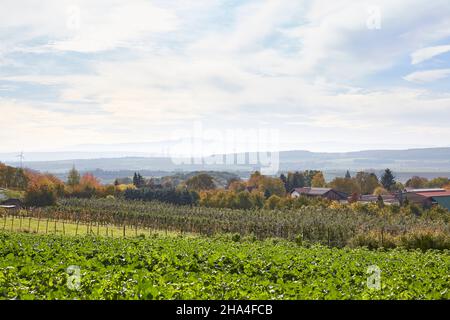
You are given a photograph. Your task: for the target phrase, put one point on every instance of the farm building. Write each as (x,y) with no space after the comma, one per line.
(11,204)
(327,193)
(428,197)
(387,199)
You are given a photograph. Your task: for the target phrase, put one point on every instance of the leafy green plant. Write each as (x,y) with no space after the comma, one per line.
(36,267)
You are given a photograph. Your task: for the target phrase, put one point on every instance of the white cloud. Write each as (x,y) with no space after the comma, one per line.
(82,25)
(122,25)
(34,126)
(428,53)
(336,42)
(428,75)
(306,65)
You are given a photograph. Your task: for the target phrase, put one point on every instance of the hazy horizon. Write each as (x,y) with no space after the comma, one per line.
(116,152)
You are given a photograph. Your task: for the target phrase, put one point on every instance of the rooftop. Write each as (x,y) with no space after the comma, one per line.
(425,190)
(312,191)
(434,194)
(385,197)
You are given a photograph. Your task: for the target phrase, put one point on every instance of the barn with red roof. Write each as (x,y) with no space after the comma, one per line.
(429,197)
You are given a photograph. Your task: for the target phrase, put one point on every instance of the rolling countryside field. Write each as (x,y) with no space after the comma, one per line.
(115,249)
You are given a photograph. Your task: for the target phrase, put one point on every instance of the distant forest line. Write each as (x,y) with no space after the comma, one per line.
(107,177)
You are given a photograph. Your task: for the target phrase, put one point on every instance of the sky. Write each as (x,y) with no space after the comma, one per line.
(320,75)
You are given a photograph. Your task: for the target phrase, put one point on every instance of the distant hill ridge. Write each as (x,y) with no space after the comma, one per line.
(410,160)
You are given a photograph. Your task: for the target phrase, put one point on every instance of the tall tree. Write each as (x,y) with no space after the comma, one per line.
(141,180)
(388,179)
(243,200)
(201,182)
(294,180)
(318,181)
(417,182)
(347,175)
(138,180)
(367,182)
(271,186)
(299,179)
(309,175)
(74,177)
(88,180)
(438,182)
(255,179)
(380,191)
(135,179)
(13,178)
(232,182)
(284,180)
(348,186)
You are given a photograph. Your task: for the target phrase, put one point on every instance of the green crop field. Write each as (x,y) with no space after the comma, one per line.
(114,249)
(36,266)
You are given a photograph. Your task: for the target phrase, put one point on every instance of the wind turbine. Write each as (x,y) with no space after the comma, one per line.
(21,157)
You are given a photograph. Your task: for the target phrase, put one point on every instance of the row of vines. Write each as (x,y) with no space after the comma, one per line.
(334,227)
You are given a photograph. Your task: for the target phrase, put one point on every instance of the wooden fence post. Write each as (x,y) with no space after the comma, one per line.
(328,235)
(12,222)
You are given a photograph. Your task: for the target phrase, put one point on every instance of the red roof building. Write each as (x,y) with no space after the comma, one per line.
(429,197)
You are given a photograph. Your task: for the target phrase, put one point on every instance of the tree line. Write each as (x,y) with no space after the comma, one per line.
(258,191)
